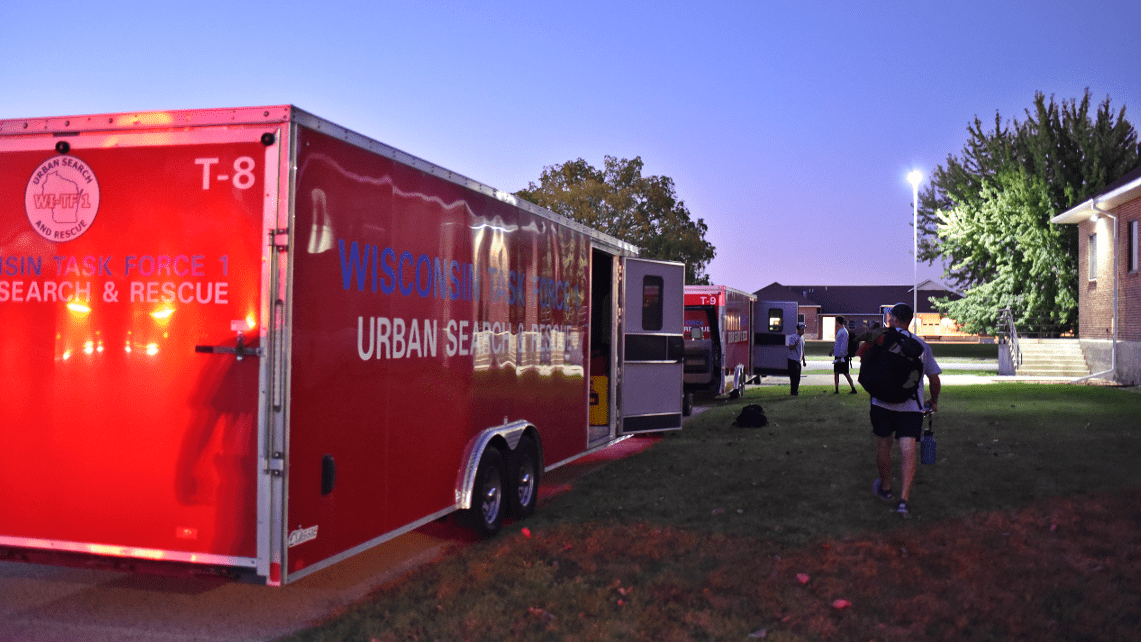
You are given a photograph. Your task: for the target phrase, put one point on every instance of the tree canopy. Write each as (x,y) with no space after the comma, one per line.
(987,212)
(642,210)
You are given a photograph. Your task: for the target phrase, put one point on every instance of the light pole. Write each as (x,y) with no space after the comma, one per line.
(914,177)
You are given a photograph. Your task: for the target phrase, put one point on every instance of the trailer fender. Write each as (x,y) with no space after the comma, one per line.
(506,436)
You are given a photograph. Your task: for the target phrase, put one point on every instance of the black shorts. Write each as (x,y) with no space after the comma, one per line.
(840,367)
(903,424)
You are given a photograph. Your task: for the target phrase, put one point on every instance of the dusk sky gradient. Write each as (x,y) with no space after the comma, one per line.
(788,127)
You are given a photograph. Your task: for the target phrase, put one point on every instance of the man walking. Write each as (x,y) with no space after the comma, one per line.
(840,361)
(904,420)
(795,359)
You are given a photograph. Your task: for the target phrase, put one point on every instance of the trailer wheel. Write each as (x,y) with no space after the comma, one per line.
(687,404)
(488,508)
(523,477)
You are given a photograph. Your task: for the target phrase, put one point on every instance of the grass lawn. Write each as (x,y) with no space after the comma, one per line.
(1028,527)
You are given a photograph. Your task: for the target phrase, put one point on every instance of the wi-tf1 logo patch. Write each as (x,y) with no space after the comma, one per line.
(301,535)
(62,198)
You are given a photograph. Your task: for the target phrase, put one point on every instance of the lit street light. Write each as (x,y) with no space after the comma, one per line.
(914,177)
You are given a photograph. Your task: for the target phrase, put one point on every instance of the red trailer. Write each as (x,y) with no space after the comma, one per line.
(251,340)
(718,346)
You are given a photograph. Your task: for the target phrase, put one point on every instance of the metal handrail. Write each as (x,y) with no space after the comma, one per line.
(1008,334)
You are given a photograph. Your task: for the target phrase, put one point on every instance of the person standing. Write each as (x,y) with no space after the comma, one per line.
(840,362)
(795,359)
(904,420)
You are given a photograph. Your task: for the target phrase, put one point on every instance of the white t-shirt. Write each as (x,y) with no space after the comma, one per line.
(840,348)
(930,367)
(795,347)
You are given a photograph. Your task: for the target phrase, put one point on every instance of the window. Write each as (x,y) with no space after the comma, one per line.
(776,320)
(1092,251)
(1132,246)
(800,318)
(652,305)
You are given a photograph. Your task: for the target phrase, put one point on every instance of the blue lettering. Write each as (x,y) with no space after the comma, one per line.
(403,289)
(387,261)
(353,265)
(472,282)
(454,275)
(427,289)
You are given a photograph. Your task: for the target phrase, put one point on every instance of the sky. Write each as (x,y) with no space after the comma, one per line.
(788,127)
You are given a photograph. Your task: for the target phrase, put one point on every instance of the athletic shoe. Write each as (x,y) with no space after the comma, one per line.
(877,488)
(902,510)
(853,392)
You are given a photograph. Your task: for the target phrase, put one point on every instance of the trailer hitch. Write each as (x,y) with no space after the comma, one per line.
(240,350)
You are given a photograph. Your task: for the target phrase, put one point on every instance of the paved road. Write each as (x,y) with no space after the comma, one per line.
(52,604)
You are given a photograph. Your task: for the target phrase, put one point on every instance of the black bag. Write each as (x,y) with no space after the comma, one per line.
(752,416)
(853,347)
(892,367)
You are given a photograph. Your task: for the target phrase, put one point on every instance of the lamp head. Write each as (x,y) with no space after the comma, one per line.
(915,177)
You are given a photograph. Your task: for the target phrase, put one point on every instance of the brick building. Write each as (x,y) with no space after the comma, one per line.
(1109,282)
(862,307)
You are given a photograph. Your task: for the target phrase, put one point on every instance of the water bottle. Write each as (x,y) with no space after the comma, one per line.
(927,447)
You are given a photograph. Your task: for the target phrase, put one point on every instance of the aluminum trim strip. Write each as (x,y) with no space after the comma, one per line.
(275,114)
(132,552)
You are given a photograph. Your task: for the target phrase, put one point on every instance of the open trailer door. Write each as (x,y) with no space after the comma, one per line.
(652,346)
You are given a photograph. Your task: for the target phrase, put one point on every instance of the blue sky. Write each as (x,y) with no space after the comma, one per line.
(788,129)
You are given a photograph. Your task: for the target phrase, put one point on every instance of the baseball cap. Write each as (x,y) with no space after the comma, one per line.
(902,311)
(800,326)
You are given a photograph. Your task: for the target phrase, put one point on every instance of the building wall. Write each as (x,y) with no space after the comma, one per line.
(1095,307)
(1095,295)
(811,321)
(1129,281)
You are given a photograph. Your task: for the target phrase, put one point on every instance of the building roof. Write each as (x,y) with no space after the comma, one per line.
(855,299)
(1123,190)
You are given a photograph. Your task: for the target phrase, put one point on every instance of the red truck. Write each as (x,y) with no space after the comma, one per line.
(719,340)
(252,341)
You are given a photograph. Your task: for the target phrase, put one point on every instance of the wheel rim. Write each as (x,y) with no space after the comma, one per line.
(526,484)
(492,497)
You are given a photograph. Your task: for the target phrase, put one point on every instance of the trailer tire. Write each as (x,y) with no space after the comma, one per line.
(488,507)
(523,473)
(686,404)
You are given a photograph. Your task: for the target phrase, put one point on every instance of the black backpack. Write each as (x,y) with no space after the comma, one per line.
(891,367)
(853,346)
(752,416)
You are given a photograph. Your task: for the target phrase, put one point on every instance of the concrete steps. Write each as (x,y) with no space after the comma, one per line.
(1051,358)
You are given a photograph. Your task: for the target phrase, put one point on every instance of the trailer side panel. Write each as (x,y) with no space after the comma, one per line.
(422,313)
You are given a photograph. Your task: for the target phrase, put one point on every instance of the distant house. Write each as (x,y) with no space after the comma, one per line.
(863,307)
(1109,282)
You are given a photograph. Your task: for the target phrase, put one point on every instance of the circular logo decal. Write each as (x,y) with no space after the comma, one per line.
(62,198)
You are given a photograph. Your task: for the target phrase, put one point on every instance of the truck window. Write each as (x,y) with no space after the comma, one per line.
(776,320)
(652,302)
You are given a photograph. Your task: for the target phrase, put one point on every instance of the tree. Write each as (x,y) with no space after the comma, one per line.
(987,213)
(618,200)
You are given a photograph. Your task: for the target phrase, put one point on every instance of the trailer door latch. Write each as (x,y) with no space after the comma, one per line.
(240,350)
